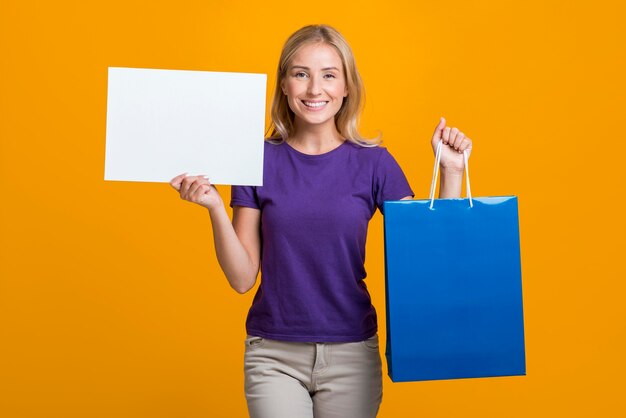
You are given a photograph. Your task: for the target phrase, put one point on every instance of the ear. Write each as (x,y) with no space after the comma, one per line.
(282,87)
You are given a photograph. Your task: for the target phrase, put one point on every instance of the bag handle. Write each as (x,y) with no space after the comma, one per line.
(436,174)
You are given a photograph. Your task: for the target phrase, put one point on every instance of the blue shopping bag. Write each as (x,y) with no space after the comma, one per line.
(453,288)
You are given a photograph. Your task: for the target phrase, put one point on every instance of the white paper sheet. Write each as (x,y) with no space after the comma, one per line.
(161,123)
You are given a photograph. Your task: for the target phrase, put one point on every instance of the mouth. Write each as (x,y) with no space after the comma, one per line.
(314,104)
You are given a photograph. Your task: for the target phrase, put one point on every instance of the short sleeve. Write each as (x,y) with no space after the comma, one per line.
(244,196)
(390,183)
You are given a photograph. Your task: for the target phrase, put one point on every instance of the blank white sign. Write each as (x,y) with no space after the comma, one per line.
(161,123)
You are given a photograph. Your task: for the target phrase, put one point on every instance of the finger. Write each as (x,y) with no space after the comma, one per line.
(466,145)
(199,181)
(200,192)
(458,140)
(207,180)
(445,136)
(187,182)
(453,133)
(439,129)
(176,181)
(192,189)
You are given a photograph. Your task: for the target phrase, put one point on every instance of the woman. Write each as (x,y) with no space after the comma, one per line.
(312,345)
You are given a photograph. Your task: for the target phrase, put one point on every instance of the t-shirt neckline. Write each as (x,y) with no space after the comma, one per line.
(315,156)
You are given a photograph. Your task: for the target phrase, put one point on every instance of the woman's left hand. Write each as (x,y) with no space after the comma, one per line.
(454,143)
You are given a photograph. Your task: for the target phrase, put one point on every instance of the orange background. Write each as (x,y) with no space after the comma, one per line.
(111,300)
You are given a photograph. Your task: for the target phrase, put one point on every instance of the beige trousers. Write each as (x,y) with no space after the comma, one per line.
(304,380)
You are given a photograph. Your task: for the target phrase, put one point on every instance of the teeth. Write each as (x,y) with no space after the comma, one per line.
(315,104)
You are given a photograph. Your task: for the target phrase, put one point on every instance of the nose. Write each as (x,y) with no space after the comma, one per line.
(314,88)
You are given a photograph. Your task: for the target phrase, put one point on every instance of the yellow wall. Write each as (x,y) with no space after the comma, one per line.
(111,301)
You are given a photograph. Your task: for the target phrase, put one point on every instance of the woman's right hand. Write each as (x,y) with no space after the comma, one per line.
(197,189)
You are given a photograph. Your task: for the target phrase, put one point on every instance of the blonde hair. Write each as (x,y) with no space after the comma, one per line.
(347,118)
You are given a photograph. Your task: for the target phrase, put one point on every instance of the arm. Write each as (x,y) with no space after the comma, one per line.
(237,244)
(450,184)
(452,161)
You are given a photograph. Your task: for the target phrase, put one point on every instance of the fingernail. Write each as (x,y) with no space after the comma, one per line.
(205,177)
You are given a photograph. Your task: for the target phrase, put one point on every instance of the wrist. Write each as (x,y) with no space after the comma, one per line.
(215,209)
(452,171)
(450,183)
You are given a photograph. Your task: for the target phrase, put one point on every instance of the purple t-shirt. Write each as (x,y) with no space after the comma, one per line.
(314,215)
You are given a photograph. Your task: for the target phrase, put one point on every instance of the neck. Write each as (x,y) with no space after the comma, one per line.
(315,139)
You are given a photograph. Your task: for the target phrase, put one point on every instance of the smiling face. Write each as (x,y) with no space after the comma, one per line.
(315,85)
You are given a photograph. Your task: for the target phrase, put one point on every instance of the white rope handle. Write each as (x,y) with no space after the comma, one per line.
(433,184)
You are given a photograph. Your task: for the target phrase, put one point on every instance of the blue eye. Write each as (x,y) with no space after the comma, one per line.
(300,74)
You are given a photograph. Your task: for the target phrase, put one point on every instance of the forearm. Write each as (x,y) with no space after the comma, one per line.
(238,265)
(450,184)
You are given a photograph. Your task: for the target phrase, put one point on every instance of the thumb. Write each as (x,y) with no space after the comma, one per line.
(177,181)
(439,129)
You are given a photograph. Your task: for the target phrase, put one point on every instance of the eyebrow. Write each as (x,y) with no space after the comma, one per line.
(307,68)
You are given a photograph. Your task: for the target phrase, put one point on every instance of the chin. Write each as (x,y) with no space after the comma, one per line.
(320,119)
